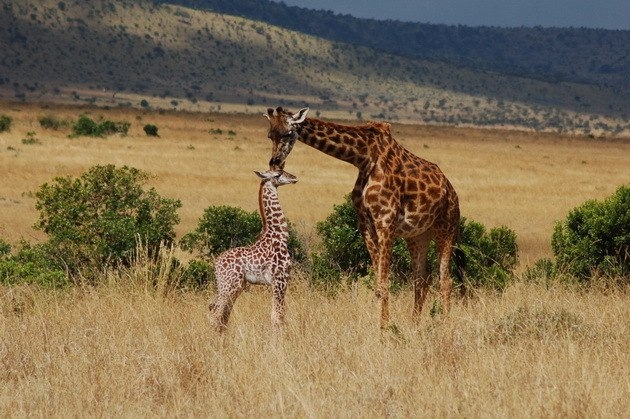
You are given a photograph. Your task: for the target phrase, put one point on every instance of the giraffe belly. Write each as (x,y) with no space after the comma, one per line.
(260,275)
(413,225)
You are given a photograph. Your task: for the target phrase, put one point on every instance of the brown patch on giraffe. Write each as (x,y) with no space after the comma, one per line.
(433,192)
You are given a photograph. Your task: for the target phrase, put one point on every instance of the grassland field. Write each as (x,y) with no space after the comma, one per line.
(122,349)
(524,180)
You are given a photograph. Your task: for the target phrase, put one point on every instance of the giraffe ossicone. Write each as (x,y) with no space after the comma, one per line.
(266,262)
(396,194)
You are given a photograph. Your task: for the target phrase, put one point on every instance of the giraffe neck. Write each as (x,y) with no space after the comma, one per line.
(346,143)
(273,218)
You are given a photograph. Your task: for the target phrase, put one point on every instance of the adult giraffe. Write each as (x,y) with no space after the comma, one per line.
(397,194)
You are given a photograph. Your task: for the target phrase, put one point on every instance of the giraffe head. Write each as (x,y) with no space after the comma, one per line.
(282,133)
(277,178)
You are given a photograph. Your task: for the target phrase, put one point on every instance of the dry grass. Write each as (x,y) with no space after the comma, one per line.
(120,350)
(123,349)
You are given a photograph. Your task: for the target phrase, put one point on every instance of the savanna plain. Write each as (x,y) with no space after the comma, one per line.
(123,348)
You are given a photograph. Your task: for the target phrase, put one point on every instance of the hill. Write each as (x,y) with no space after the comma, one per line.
(141,53)
(578,55)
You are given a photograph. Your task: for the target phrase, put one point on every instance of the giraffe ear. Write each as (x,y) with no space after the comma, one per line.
(269,113)
(266,175)
(299,117)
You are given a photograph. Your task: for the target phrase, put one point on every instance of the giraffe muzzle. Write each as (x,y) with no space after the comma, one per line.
(276,163)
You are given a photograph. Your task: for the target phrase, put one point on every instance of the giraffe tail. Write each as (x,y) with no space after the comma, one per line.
(459,259)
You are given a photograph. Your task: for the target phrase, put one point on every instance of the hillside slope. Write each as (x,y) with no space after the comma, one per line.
(117,53)
(582,55)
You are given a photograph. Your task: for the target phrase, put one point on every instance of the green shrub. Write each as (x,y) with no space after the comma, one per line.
(594,239)
(491,256)
(5,248)
(85,126)
(32,264)
(31,138)
(197,275)
(151,130)
(88,127)
(96,220)
(343,252)
(544,270)
(5,123)
(223,227)
(51,122)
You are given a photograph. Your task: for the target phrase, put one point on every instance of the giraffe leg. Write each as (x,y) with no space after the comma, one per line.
(382,274)
(366,227)
(445,248)
(277,304)
(217,314)
(419,248)
(222,307)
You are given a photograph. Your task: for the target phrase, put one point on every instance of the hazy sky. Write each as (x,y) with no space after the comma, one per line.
(607,14)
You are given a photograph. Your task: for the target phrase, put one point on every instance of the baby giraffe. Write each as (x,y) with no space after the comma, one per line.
(266,262)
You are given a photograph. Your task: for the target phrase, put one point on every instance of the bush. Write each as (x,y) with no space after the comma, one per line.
(88,127)
(151,130)
(594,240)
(197,275)
(5,248)
(31,138)
(343,251)
(31,265)
(5,123)
(223,227)
(96,221)
(490,256)
(85,126)
(543,271)
(50,122)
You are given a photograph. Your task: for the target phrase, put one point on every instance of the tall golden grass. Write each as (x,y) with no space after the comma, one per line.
(134,346)
(125,350)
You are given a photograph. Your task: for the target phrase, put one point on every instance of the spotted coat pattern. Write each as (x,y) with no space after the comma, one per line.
(396,194)
(266,262)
